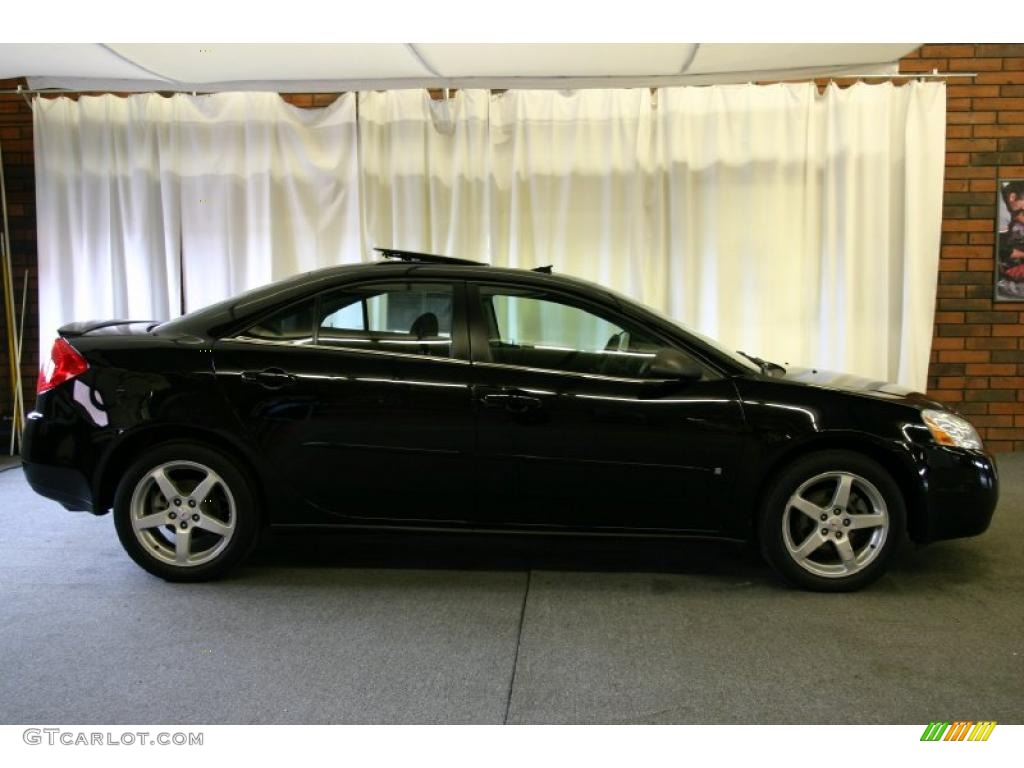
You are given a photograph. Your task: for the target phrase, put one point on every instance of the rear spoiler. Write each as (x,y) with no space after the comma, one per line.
(85,326)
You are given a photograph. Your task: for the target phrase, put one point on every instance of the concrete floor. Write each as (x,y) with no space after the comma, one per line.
(448,629)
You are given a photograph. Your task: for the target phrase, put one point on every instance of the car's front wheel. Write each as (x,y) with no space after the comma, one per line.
(832,521)
(185,512)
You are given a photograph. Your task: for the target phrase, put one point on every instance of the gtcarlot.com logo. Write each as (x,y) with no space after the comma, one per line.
(959,730)
(57,736)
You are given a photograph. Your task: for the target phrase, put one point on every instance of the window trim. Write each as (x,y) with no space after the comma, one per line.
(346,350)
(478,330)
(460,325)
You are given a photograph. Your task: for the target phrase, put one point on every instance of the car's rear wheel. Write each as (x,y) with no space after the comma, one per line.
(185,512)
(832,521)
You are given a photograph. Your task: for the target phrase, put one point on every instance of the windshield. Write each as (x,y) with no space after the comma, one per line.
(736,357)
(739,357)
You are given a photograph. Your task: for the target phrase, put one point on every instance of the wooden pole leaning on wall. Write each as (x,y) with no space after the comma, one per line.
(11,339)
(9,317)
(19,393)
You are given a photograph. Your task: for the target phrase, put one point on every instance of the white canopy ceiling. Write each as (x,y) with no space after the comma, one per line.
(363,66)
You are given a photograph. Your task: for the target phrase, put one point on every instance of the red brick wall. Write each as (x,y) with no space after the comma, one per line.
(978,349)
(16,137)
(977,361)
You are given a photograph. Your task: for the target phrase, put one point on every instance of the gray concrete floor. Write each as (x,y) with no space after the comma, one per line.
(448,629)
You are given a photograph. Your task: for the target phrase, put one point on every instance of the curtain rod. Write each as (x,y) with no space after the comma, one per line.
(934,74)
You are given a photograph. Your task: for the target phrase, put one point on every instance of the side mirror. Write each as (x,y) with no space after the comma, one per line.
(673,364)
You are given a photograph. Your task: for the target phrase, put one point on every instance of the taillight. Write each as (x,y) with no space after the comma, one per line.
(64,364)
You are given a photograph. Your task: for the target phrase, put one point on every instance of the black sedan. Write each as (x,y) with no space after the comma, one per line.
(434,393)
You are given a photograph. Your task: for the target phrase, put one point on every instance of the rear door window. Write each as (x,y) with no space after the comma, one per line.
(413,318)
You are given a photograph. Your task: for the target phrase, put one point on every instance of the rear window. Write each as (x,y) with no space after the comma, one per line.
(293,325)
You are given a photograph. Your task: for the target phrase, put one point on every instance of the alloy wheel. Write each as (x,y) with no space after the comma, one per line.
(835,524)
(183,513)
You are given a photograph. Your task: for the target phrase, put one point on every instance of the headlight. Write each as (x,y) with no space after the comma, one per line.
(949,429)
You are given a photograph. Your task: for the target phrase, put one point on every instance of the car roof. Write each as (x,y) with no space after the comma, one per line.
(236,308)
(233,313)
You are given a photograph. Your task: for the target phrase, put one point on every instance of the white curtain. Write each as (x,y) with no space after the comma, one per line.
(267,190)
(570,183)
(424,171)
(804,227)
(232,190)
(800,226)
(107,211)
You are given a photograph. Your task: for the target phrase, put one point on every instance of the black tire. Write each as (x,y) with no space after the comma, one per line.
(805,554)
(230,502)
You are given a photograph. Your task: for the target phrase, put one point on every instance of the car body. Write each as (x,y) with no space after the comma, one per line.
(423,392)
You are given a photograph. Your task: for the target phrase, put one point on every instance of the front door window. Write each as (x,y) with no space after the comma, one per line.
(542,331)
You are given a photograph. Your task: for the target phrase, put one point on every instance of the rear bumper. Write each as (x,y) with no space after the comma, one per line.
(52,459)
(961,490)
(62,484)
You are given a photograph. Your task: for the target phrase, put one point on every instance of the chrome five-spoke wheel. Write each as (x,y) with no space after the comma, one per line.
(832,520)
(835,524)
(186,512)
(183,513)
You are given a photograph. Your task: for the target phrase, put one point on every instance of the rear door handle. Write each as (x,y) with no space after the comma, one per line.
(510,401)
(269,378)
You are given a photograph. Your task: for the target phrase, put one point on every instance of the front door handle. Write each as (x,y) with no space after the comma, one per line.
(512,402)
(269,378)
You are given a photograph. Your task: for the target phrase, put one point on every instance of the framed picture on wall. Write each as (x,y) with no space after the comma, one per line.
(1010,241)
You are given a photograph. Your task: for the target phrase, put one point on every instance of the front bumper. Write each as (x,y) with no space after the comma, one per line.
(961,489)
